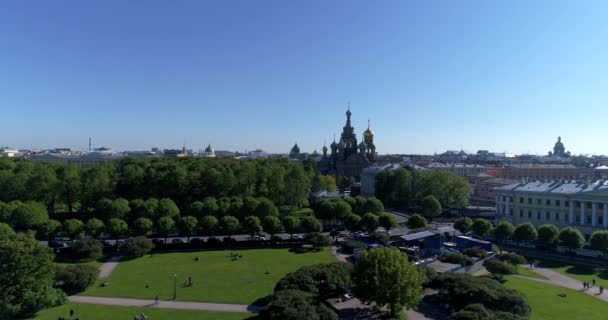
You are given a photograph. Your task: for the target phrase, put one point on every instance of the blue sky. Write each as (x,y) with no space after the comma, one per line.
(431,75)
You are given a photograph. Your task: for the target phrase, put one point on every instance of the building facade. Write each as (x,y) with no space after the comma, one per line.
(459,169)
(483,189)
(564,204)
(547,172)
(347,157)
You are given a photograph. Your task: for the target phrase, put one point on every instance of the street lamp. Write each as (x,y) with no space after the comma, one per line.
(174,287)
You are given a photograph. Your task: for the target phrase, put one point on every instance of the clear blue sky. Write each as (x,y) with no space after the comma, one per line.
(432,75)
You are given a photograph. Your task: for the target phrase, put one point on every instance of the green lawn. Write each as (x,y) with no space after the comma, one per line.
(98,312)
(93,263)
(580,273)
(524,271)
(547,305)
(215,277)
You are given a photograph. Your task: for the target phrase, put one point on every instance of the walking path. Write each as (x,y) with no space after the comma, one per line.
(560,280)
(165,304)
(105,270)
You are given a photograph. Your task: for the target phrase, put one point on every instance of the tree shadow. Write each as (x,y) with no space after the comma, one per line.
(262,302)
(302,250)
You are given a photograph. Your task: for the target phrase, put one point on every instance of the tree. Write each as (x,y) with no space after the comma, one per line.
(187,225)
(117,228)
(86,250)
(28,215)
(503,231)
(341,210)
(387,221)
(311,224)
(571,238)
(386,277)
(352,222)
(252,225)
(431,207)
(230,225)
(6,230)
(291,305)
(70,185)
(416,221)
(499,268)
(369,222)
(136,247)
(481,227)
(291,225)
(463,224)
(548,234)
(120,209)
(73,279)
(525,233)
(209,224)
(599,241)
(165,226)
(266,208)
(74,228)
(271,225)
(374,206)
(142,227)
(48,230)
(167,208)
(27,275)
(95,228)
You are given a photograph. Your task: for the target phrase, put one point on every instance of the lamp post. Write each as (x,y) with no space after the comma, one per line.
(174,287)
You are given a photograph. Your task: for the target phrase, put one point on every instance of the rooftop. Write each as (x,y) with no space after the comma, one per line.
(560,187)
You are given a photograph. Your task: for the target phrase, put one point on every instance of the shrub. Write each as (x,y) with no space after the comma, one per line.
(85,250)
(136,247)
(512,258)
(73,279)
(350,246)
(328,279)
(318,240)
(429,273)
(475,252)
(456,258)
(499,268)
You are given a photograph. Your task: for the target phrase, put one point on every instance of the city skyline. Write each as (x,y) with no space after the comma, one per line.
(431,77)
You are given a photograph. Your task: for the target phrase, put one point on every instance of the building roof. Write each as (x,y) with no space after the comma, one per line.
(417,235)
(569,187)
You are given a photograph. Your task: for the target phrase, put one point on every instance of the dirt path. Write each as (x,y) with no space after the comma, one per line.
(164,304)
(341,257)
(560,280)
(105,270)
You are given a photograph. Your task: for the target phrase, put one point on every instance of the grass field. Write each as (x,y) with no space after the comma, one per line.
(547,305)
(524,271)
(97,312)
(580,273)
(215,277)
(94,263)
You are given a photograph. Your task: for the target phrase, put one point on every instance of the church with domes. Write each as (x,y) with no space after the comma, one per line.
(348,158)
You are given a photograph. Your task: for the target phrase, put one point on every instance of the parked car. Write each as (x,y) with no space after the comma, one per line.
(259,238)
(177,241)
(56,244)
(196,241)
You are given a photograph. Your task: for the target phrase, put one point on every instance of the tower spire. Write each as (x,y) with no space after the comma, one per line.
(368,121)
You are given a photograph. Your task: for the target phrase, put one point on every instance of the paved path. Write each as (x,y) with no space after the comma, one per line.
(560,280)
(165,304)
(106,269)
(341,257)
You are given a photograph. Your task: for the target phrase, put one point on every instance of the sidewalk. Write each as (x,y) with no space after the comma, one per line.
(560,280)
(164,304)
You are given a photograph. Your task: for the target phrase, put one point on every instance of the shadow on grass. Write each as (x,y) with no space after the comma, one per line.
(262,302)
(304,250)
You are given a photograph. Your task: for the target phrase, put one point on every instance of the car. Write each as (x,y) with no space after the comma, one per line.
(57,244)
(196,241)
(298,237)
(259,238)
(158,241)
(177,241)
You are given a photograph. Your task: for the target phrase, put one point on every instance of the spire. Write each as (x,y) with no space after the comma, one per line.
(368,122)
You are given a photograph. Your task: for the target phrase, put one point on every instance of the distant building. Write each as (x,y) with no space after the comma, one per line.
(564,204)
(452,156)
(8,152)
(483,189)
(459,169)
(348,158)
(295,152)
(546,172)
(208,152)
(559,150)
(78,159)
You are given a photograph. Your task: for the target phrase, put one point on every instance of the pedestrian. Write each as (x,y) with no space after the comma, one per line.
(584,286)
(71,313)
(156,300)
(593,281)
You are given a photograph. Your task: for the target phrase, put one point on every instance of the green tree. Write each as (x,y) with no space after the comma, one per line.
(230,225)
(374,206)
(117,228)
(599,241)
(525,233)
(252,225)
(369,222)
(95,228)
(6,230)
(73,279)
(48,230)
(291,305)
(271,225)
(386,277)
(27,275)
(352,222)
(74,228)
(504,230)
(187,226)
(165,226)
(416,221)
(136,247)
(571,238)
(388,221)
(209,224)
(311,224)
(481,227)
(463,224)
(548,234)
(341,210)
(291,225)
(87,249)
(142,227)
(28,215)
(431,207)
(451,190)
(266,208)
(499,268)
(167,208)
(70,185)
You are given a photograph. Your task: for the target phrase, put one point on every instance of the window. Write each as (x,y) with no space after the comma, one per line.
(547,215)
(556,216)
(504,198)
(588,205)
(567,203)
(548,202)
(529,214)
(600,220)
(557,203)
(588,219)
(521,200)
(511,212)
(529,200)
(578,204)
(521,213)
(538,201)
(601,206)
(537,215)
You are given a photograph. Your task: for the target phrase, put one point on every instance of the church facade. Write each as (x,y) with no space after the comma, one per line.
(348,158)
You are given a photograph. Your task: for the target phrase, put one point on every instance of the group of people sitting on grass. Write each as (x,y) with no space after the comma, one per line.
(140,316)
(235,256)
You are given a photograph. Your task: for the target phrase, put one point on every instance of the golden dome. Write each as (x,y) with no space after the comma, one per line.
(368,133)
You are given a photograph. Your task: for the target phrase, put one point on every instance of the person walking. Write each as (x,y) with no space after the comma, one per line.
(156,300)
(593,281)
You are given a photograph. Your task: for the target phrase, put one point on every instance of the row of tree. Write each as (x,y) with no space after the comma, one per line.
(404,188)
(185,180)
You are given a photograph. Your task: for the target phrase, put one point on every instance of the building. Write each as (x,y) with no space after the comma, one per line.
(564,204)
(545,172)
(8,152)
(78,159)
(483,189)
(208,152)
(459,169)
(348,158)
(559,150)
